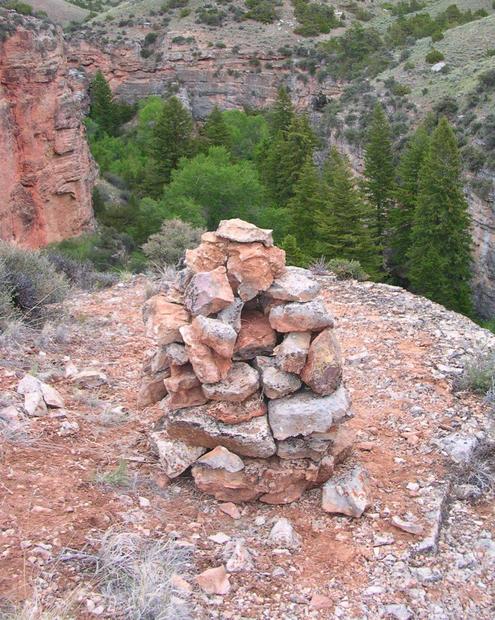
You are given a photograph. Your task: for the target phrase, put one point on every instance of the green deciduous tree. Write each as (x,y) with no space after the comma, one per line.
(440,253)
(217,187)
(344,223)
(406,195)
(379,170)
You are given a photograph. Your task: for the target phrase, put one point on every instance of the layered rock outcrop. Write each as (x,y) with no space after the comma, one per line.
(249,371)
(47,170)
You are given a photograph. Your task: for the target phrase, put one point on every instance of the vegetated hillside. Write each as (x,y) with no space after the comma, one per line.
(60,11)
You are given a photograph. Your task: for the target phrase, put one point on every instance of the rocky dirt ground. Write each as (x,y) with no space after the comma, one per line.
(403,354)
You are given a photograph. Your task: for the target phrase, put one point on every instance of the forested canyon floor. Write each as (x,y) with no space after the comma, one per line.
(402,356)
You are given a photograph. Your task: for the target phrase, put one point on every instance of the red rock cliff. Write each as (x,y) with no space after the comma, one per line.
(47,171)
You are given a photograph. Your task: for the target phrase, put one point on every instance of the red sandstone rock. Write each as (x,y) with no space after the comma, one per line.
(208,366)
(191,397)
(252,267)
(208,292)
(163,319)
(215,334)
(221,458)
(256,336)
(295,284)
(47,170)
(181,378)
(214,581)
(208,255)
(323,369)
(152,389)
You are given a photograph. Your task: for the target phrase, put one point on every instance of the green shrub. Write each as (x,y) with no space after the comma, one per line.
(81,274)
(347,269)
(29,284)
(264,11)
(21,7)
(150,38)
(400,90)
(434,56)
(314,18)
(168,246)
(479,373)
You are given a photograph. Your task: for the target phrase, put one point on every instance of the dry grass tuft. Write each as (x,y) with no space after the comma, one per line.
(135,576)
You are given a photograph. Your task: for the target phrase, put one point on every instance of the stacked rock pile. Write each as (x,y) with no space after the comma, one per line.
(249,371)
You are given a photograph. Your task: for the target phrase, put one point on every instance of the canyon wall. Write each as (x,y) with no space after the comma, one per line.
(47,170)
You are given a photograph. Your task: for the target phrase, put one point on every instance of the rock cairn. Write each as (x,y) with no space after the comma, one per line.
(248,370)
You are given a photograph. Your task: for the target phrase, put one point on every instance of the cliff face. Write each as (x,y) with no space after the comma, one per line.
(201,76)
(47,170)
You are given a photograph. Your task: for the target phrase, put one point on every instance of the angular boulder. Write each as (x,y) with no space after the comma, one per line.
(292,353)
(243,232)
(295,284)
(152,389)
(208,292)
(256,337)
(302,448)
(196,427)
(323,369)
(174,456)
(278,383)
(233,413)
(305,413)
(231,315)
(241,382)
(252,268)
(221,458)
(208,366)
(163,319)
(300,317)
(347,494)
(209,255)
(215,334)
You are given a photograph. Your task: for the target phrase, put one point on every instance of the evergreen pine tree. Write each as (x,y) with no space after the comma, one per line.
(102,109)
(215,131)
(305,203)
(293,253)
(402,215)
(440,252)
(379,170)
(283,112)
(172,139)
(344,223)
(286,157)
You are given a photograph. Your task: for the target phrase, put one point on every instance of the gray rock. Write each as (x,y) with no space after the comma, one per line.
(305,413)
(300,317)
(347,494)
(241,381)
(459,447)
(221,458)
(283,535)
(174,456)
(231,315)
(291,354)
(295,284)
(239,558)
(302,448)
(243,232)
(278,383)
(194,426)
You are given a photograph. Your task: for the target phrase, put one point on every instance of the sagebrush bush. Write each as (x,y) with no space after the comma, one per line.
(168,246)
(479,373)
(81,273)
(343,268)
(29,284)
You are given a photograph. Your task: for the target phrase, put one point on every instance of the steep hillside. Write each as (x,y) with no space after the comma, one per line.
(60,11)
(48,172)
